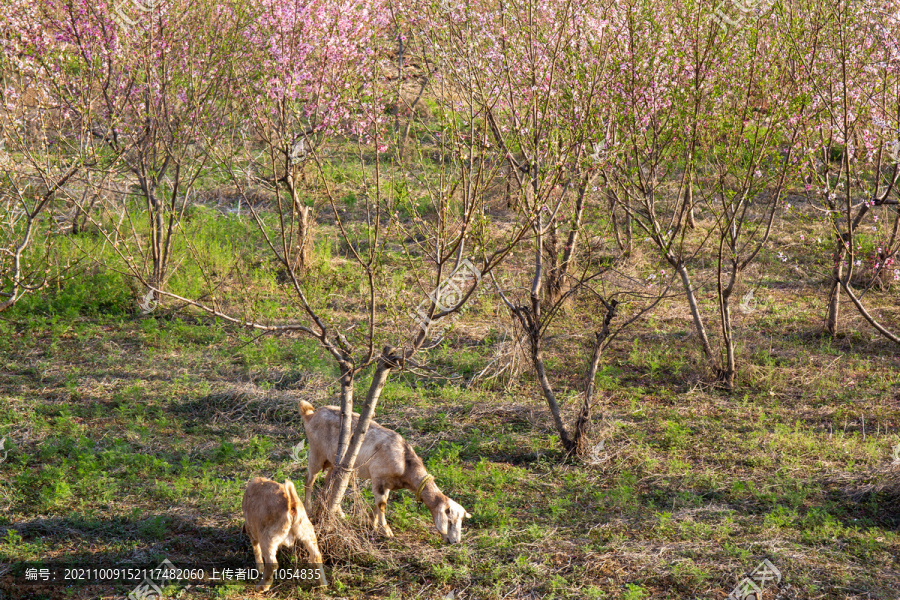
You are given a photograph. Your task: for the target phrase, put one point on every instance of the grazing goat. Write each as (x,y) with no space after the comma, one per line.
(385,458)
(274,517)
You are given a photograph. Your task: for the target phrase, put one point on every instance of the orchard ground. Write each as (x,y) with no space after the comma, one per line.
(131,436)
(375,149)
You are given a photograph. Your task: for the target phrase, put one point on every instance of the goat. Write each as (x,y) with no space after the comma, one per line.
(274,517)
(388,461)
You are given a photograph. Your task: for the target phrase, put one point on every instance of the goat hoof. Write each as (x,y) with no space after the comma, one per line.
(263,587)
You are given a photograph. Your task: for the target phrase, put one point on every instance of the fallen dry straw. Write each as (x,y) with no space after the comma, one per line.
(346,538)
(883,482)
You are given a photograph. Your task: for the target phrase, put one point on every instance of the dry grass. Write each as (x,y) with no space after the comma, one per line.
(881,484)
(349,538)
(155,427)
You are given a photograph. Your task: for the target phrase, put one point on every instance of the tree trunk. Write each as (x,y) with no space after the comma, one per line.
(304,227)
(695,312)
(340,474)
(530,317)
(556,269)
(346,412)
(158,225)
(76,222)
(304,236)
(558,284)
(689,203)
(629,234)
(726,374)
(582,425)
(537,358)
(729,371)
(834,297)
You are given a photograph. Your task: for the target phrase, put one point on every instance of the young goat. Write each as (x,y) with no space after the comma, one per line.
(274,517)
(385,458)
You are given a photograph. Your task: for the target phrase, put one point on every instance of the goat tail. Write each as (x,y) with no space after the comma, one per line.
(306,409)
(293,498)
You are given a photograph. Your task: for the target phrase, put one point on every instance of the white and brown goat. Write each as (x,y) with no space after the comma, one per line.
(274,517)
(387,460)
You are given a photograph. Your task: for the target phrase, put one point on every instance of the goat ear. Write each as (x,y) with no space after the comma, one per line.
(468,516)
